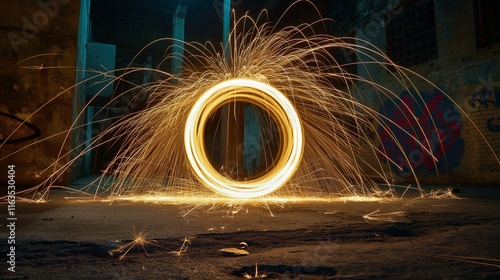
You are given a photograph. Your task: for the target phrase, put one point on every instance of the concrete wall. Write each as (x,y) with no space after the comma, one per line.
(80,167)
(468,136)
(38,52)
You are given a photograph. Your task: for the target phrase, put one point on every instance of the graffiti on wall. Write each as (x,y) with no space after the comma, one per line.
(487,98)
(493,124)
(486,94)
(420,121)
(28,130)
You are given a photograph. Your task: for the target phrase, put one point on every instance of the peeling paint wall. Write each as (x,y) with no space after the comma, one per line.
(37,64)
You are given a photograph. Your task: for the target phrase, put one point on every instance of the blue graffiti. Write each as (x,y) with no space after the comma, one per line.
(493,124)
(482,98)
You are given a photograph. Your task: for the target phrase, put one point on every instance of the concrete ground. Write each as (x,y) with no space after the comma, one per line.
(438,237)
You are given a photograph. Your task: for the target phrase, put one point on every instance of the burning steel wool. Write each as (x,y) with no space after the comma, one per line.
(311,126)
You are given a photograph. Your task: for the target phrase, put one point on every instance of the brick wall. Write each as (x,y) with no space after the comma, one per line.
(468,135)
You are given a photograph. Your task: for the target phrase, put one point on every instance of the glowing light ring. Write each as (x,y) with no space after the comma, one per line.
(287,121)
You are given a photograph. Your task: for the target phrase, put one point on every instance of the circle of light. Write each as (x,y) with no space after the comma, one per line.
(287,121)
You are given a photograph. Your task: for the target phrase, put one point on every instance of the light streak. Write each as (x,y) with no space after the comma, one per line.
(224,200)
(259,94)
(328,134)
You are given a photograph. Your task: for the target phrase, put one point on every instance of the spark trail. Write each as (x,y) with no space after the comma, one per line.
(316,129)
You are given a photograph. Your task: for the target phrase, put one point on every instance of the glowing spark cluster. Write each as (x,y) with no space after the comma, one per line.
(292,76)
(264,96)
(328,136)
